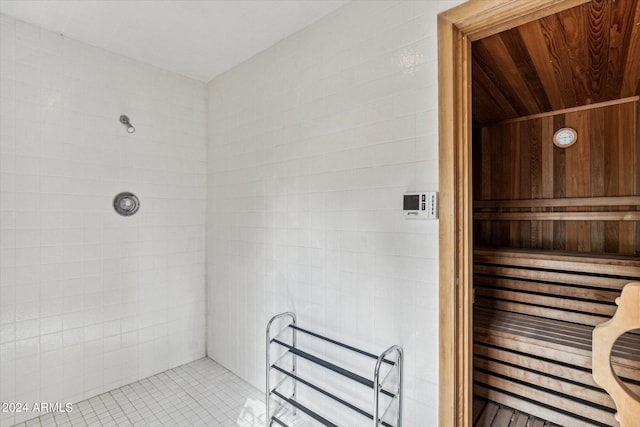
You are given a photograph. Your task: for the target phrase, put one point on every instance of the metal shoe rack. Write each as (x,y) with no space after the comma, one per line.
(284,398)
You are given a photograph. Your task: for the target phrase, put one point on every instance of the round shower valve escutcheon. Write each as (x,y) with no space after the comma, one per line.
(126,204)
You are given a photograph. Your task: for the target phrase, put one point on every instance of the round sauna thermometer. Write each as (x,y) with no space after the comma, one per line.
(565,137)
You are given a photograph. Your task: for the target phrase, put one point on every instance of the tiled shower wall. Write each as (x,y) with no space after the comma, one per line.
(312,144)
(90,300)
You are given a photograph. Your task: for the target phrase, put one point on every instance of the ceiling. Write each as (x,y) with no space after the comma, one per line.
(583,55)
(196,38)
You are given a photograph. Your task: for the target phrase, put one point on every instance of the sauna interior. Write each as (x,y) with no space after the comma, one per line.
(556,227)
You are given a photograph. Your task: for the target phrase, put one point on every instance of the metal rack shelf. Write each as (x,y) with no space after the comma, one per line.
(391,357)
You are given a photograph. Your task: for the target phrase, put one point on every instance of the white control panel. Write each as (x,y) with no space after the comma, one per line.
(420,205)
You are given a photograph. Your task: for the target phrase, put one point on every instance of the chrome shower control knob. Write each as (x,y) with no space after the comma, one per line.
(126,204)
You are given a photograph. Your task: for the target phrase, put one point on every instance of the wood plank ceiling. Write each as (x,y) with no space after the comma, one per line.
(584,55)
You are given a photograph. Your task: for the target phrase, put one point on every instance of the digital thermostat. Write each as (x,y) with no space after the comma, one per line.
(420,205)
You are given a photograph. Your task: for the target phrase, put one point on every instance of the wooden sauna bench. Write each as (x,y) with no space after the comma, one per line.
(534,314)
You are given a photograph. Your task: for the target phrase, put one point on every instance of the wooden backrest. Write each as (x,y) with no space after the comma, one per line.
(627,318)
(573,288)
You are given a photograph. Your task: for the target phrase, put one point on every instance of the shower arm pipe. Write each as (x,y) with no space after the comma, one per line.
(124,119)
(293,318)
(377,385)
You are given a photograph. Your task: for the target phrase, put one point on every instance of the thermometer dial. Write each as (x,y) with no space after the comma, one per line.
(565,137)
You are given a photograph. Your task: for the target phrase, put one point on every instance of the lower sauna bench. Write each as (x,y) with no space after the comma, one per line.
(534,314)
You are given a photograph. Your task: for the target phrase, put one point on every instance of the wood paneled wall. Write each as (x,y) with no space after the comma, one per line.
(518,161)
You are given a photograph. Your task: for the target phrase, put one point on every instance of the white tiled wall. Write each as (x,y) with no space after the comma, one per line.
(90,300)
(311,145)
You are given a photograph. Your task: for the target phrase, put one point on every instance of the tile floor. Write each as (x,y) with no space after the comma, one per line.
(200,393)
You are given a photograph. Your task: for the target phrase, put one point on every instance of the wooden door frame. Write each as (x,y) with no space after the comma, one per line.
(457,28)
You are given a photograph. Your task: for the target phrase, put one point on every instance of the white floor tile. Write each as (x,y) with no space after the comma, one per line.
(200,393)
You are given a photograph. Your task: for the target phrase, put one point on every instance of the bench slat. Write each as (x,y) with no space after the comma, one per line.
(627,343)
(538,364)
(503,417)
(529,407)
(548,301)
(526,361)
(547,398)
(551,276)
(627,349)
(578,391)
(488,415)
(550,260)
(575,334)
(565,354)
(535,334)
(563,290)
(533,310)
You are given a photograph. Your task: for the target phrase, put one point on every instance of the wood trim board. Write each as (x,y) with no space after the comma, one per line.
(572,109)
(559,216)
(564,202)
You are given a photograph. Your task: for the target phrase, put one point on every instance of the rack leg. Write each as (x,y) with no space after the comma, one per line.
(294,362)
(268,419)
(400,389)
(267,369)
